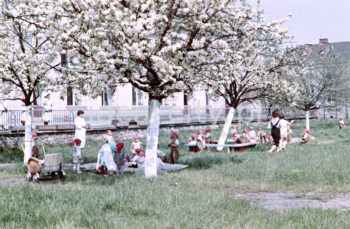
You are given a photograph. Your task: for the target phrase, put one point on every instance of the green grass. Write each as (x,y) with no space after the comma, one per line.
(198,197)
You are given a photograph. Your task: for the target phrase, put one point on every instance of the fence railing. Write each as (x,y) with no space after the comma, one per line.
(139,115)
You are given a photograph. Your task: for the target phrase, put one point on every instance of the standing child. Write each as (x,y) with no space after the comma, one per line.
(120,158)
(284,131)
(174,149)
(77,159)
(262,135)
(275,126)
(137,144)
(341,123)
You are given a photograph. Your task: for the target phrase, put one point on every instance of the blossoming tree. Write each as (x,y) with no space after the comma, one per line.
(320,78)
(27,54)
(251,65)
(150,44)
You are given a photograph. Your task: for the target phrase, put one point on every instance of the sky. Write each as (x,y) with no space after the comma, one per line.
(312,19)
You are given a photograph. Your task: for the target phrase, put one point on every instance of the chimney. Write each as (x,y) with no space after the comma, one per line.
(324,45)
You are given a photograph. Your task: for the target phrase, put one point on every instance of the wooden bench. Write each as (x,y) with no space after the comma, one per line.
(236,147)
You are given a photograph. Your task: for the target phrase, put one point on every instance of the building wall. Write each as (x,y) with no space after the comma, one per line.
(123,97)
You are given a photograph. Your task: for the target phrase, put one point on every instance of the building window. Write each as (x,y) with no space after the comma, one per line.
(138,97)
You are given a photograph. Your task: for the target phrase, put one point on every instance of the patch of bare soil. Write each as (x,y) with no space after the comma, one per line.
(327,141)
(281,201)
(6,165)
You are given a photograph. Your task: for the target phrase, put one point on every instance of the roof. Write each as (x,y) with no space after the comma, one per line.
(341,49)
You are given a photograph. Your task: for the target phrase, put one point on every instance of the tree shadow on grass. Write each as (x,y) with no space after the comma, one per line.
(207,161)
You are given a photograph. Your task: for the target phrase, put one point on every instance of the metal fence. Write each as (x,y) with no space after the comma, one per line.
(139,115)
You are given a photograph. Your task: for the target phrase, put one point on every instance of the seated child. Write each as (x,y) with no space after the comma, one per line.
(139,158)
(341,123)
(262,135)
(34,163)
(233,130)
(161,155)
(200,141)
(105,162)
(136,144)
(192,141)
(252,134)
(244,138)
(174,149)
(208,136)
(120,158)
(306,137)
(76,156)
(269,138)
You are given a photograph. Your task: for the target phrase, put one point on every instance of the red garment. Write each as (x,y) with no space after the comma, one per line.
(76,141)
(120,146)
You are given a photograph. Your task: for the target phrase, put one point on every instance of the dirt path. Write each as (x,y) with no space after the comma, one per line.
(290,200)
(5,165)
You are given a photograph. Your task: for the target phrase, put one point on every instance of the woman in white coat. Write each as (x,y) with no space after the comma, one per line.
(80,128)
(47,104)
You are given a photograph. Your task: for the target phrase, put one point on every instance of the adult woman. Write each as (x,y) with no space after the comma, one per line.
(80,128)
(47,104)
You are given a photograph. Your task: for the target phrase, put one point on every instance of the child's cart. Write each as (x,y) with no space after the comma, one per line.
(49,168)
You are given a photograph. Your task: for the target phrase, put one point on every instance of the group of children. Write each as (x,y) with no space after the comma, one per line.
(112,156)
(198,141)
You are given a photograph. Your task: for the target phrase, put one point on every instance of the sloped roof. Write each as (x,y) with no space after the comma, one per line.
(341,49)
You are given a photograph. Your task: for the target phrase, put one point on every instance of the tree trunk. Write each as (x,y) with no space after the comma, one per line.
(152,138)
(346,111)
(226,128)
(307,120)
(28,142)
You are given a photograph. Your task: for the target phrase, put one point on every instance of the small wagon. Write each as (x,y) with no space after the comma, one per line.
(49,168)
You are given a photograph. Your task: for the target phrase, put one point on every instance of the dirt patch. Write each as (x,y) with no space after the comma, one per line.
(290,200)
(6,165)
(327,141)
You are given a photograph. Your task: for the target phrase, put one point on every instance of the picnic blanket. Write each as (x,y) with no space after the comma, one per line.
(165,167)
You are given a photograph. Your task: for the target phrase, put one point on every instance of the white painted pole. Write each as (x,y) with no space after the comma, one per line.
(226,128)
(152,138)
(307,120)
(28,143)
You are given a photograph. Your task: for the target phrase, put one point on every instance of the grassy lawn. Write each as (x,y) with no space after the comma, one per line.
(198,197)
